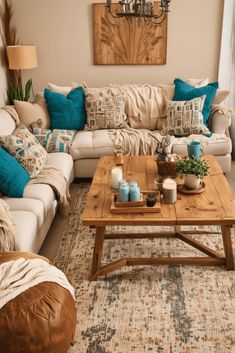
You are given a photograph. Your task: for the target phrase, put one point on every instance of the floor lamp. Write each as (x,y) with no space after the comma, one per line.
(21,57)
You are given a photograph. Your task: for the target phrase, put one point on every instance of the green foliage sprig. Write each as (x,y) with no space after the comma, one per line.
(17,92)
(198,167)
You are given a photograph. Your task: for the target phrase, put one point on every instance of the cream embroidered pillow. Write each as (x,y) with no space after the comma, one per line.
(59,89)
(26,149)
(31,112)
(169,89)
(221,95)
(185,117)
(104,110)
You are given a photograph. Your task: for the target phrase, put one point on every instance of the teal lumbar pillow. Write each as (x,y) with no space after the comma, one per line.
(184,91)
(13,177)
(66,112)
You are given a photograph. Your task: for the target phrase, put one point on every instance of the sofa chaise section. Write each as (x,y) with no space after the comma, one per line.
(33,214)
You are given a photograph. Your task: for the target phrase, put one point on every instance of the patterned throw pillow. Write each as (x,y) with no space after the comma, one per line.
(56,140)
(26,149)
(185,117)
(104,110)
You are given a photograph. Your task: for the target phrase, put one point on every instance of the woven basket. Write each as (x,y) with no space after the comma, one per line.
(166,169)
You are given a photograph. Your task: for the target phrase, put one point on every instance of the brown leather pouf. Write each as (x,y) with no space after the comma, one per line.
(40,320)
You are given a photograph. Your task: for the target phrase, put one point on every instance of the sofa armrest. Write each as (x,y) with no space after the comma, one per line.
(220,121)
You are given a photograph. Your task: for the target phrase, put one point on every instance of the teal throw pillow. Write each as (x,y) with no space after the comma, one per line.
(13,177)
(184,92)
(66,112)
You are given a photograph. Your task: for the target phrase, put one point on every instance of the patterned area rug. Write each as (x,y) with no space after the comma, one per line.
(159,309)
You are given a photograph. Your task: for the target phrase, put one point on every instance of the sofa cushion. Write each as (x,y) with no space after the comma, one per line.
(104,110)
(31,112)
(185,117)
(29,205)
(13,177)
(66,112)
(26,229)
(59,89)
(7,124)
(184,91)
(41,192)
(54,140)
(216,145)
(63,162)
(221,95)
(26,149)
(91,144)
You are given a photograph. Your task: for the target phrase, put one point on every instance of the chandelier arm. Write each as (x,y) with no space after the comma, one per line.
(160,15)
(160,22)
(110,12)
(156,19)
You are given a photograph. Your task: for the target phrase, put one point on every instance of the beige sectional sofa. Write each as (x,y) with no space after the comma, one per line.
(89,146)
(34,213)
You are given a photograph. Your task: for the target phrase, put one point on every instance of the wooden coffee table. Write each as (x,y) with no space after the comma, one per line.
(213,207)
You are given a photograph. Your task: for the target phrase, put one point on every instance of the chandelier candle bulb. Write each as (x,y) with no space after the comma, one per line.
(116,177)
(169,189)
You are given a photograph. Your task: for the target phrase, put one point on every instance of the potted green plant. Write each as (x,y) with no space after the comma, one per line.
(193,170)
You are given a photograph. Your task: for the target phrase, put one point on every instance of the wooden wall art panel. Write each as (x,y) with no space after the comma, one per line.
(127,42)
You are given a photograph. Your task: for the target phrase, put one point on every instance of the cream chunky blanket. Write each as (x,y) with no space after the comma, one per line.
(17,276)
(139,142)
(7,231)
(55,178)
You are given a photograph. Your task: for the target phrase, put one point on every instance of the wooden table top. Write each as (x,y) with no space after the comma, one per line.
(214,206)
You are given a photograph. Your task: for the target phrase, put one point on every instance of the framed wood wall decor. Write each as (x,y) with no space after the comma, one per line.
(127,42)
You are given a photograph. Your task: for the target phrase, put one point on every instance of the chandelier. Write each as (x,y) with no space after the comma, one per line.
(138,9)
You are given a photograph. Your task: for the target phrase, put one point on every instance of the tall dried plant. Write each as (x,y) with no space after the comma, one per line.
(8,33)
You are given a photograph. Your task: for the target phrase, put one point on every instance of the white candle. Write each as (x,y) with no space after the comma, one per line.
(169,189)
(116,177)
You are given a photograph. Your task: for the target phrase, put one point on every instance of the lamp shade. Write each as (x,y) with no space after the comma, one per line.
(22,57)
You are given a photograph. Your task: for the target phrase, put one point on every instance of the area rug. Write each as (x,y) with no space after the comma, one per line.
(158,309)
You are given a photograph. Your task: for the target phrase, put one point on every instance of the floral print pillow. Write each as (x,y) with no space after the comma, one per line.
(26,149)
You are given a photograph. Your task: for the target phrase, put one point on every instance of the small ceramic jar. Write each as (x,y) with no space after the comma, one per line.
(150,200)
(134,192)
(124,192)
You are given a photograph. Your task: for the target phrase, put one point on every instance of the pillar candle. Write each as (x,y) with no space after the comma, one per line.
(116,177)
(169,189)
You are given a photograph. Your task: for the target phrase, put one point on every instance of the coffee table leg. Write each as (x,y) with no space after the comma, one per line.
(228,248)
(98,252)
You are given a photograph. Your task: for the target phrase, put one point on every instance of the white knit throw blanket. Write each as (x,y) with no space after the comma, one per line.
(55,178)
(141,142)
(17,276)
(7,231)
(138,142)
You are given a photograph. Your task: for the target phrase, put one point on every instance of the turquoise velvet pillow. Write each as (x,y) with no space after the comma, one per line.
(13,177)
(184,92)
(66,112)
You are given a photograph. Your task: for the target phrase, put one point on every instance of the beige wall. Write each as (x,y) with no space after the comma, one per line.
(62,31)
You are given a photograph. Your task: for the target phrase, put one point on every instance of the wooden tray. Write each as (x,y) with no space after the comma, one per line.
(129,203)
(136,207)
(183,190)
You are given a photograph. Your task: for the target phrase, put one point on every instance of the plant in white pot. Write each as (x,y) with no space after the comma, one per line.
(193,170)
